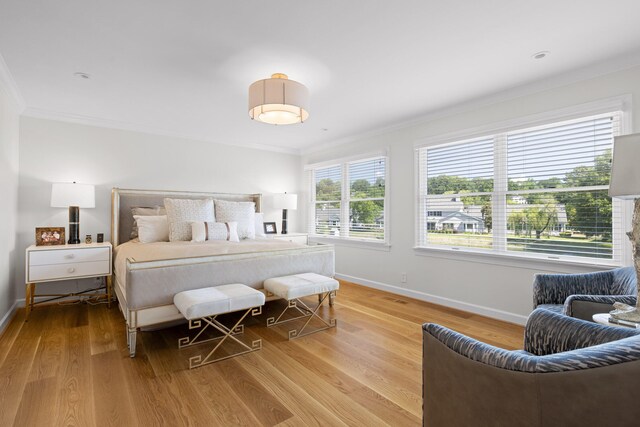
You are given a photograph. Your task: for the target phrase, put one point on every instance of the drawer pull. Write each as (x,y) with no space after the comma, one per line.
(70,256)
(71,270)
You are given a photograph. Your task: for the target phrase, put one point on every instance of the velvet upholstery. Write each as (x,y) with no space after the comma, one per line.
(572,373)
(583,295)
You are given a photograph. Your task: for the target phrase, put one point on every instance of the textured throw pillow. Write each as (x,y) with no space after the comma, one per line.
(144,211)
(260,224)
(241,212)
(181,212)
(202,231)
(152,228)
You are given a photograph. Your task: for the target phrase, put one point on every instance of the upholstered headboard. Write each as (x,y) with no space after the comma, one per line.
(123,200)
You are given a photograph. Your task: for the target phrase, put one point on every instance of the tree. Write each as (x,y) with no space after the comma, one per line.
(487,216)
(327,189)
(589,211)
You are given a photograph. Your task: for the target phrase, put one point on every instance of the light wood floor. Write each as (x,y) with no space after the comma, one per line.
(69,365)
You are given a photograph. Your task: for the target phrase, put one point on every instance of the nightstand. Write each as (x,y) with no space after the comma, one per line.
(65,262)
(302,238)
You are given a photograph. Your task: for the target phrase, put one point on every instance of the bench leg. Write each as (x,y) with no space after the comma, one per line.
(238,328)
(307,313)
(131,338)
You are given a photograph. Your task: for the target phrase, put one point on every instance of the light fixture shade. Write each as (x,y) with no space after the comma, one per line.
(625,169)
(278,101)
(65,194)
(285,201)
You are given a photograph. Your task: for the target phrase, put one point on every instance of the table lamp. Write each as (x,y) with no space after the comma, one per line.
(285,201)
(73,196)
(625,184)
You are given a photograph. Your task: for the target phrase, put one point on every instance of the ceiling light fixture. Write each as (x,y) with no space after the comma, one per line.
(541,54)
(278,101)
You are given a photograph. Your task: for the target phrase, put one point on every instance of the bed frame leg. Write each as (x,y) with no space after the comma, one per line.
(131,338)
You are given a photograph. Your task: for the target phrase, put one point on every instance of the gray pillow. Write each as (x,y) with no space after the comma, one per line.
(144,211)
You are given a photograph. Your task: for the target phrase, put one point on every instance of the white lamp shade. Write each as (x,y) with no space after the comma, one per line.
(285,201)
(625,169)
(65,194)
(278,101)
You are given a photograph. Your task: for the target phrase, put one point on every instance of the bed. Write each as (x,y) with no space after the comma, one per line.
(148,275)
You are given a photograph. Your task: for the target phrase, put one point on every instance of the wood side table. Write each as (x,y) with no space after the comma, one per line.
(64,262)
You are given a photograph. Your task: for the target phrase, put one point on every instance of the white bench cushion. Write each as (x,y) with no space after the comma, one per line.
(204,302)
(300,285)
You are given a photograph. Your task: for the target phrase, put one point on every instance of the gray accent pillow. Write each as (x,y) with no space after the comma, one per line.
(144,211)
(182,212)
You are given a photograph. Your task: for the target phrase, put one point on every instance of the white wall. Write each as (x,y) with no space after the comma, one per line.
(53,151)
(9,131)
(476,284)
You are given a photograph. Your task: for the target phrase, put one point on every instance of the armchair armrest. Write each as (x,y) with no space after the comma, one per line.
(556,288)
(585,306)
(549,333)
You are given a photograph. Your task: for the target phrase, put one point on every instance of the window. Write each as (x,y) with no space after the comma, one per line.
(535,192)
(349,200)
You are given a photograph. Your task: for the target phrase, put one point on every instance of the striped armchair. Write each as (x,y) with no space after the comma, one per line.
(583,295)
(571,372)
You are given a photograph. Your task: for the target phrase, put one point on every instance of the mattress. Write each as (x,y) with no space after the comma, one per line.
(152,273)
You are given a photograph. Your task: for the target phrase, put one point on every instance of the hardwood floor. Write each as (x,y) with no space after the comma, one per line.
(69,365)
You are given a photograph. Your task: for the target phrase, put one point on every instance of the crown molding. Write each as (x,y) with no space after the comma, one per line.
(599,69)
(41,113)
(9,86)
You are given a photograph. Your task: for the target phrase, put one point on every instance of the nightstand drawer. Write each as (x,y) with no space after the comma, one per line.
(38,273)
(68,256)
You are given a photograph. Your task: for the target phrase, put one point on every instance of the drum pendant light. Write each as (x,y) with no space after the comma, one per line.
(278,101)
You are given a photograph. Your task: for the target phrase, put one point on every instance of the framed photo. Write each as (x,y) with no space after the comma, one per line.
(270,228)
(49,236)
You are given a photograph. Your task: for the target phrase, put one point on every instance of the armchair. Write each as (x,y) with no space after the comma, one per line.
(583,295)
(570,373)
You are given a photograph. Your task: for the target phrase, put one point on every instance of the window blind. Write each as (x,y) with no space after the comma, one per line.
(539,191)
(348,200)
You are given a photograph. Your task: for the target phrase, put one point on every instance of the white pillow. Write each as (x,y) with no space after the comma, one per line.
(260,224)
(202,231)
(241,212)
(152,228)
(144,211)
(181,212)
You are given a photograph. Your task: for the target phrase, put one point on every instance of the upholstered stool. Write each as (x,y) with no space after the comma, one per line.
(294,287)
(202,307)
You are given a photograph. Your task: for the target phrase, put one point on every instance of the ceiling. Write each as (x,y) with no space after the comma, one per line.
(183,67)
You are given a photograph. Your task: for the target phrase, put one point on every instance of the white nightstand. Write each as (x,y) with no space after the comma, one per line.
(302,238)
(65,262)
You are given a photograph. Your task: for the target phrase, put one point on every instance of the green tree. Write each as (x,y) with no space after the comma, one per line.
(327,189)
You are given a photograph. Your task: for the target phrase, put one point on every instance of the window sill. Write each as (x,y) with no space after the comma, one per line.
(354,243)
(512,260)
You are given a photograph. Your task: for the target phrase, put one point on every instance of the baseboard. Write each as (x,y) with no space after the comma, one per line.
(8,316)
(447,302)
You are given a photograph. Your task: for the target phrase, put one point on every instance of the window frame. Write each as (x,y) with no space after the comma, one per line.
(345,200)
(499,254)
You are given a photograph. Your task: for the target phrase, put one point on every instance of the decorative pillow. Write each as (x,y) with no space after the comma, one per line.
(152,228)
(144,211)
(260,224)
(181,212)
(241,212)
(202,231)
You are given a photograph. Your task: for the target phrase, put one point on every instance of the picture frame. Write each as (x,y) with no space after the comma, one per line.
(270,228)
(50,236)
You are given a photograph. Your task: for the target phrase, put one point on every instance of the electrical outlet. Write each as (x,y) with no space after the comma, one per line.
(403,277)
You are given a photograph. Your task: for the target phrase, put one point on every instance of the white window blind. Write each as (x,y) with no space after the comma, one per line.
(534,192)
(348,200)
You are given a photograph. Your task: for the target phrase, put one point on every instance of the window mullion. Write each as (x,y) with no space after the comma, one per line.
(344,203)
(499,200)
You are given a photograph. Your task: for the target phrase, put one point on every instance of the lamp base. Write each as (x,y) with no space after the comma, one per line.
(284,222)
(74,225)
(625,312)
